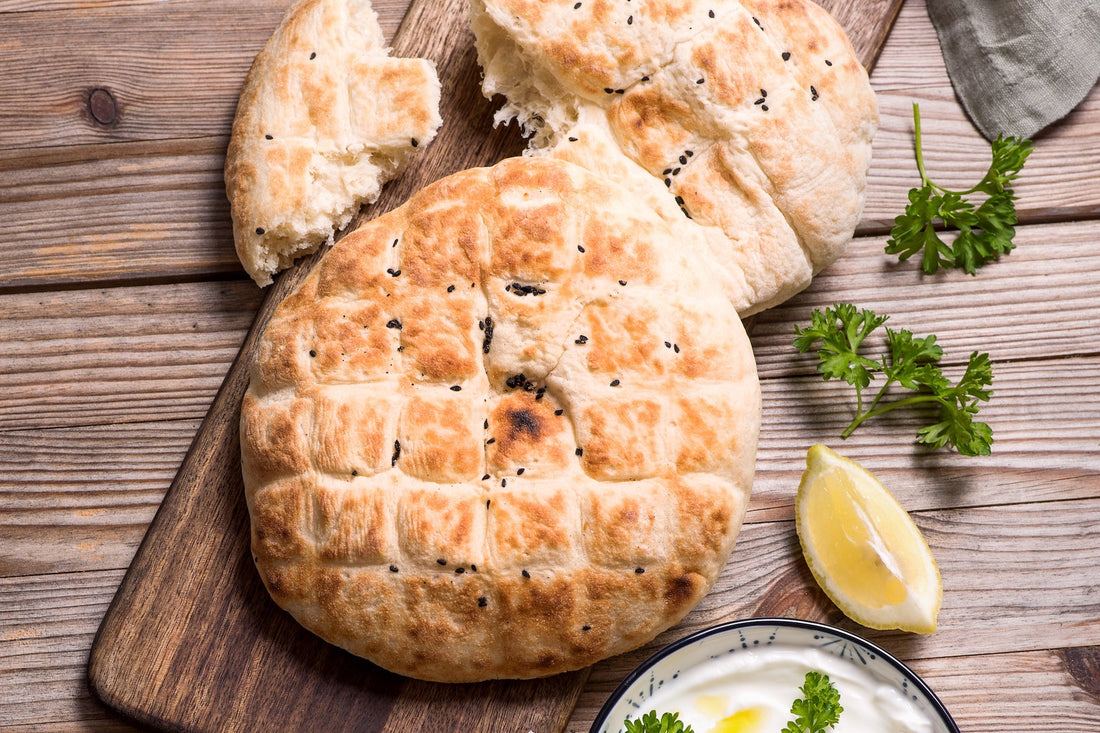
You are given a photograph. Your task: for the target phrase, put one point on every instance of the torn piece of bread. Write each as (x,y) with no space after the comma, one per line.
(754,117)
(325,118)
(505,430)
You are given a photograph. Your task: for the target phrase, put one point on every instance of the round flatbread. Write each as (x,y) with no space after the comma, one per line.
(750,119)
(325,118)
(503,431)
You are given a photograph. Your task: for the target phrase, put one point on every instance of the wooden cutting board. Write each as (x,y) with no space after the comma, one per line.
(191,640)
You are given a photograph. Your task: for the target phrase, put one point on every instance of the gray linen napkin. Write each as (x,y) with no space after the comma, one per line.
(1019,65)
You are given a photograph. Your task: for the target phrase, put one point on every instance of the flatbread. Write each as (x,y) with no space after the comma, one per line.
(750,119)
(503,431)
(325,118)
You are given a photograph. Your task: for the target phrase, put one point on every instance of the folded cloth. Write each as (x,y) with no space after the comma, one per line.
(1019,65)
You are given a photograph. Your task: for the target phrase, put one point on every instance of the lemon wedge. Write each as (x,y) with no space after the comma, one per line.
(863,548)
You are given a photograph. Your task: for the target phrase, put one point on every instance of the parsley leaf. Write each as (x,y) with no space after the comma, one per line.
(913,364)
(818,709)
(985,231)
(650,723)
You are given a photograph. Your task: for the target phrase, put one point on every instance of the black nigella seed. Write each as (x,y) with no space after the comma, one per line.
(486,425)
(490,441)
(485,478)
(668,344)
(676,348)
(394,323)
(503,483)
(268,137)
(763,92)
(572,139)
(586,627)
(393,568)
(608,90)
(450,288)
(759,101)
(699,81)
(688,153)
(675,171)
(754,20)
(786,55)
(526,574)
(488,342)
(645,78)
(666,171)
(482,601)
(582,339)
(668,182)
(813,93)
(394,243)
(392,272)
(620,91)
(487,503)
(559,413)
(456,388)
(680,200)
(473,568)
(519,471)
(622,282)
(639,571)
(441,561)
(259,230)
(579,451)
(683,160)
(764,107)
(459,571)
(615,382)
(354,472)
(630,20)
(828,62)
(576,6)
(400,348)
(396,452)
(313,56)
(414,142)
(580,249)
(710,13)
(481,325)
(312,352)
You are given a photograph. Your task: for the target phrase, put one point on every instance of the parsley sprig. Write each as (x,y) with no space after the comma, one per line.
(913,364)
(985,231)
(818,709)
(650,723)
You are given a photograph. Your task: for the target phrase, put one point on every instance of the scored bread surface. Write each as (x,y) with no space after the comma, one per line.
(749,119)
(324,119)
(503,431)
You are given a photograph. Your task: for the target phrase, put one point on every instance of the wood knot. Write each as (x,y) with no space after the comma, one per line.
(102,106)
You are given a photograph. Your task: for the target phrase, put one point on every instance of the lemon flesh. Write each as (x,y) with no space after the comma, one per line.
(863,548)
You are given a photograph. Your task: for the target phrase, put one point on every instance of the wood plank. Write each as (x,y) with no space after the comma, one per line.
(45,631)
(121,354)
(136,52)
(160,352)
(77,213)
(82,498)
(1016,580)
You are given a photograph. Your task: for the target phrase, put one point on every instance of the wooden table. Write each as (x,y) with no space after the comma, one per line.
(122,305)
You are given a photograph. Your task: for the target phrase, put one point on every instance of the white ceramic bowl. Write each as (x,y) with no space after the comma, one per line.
(664,668)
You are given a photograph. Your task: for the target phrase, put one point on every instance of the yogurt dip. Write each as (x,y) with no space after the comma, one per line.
(752,690)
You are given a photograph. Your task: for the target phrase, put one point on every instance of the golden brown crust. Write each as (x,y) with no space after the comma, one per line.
(505,430)
(754,116)
(324,119)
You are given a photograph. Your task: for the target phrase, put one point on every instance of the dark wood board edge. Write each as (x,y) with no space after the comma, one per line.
(121,648)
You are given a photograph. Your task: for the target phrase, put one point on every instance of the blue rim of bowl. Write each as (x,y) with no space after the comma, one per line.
(675,646)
